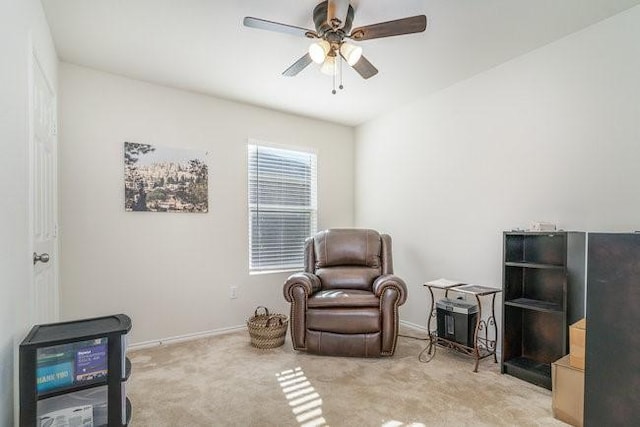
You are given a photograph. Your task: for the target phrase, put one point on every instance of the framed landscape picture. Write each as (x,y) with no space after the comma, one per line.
(163,179)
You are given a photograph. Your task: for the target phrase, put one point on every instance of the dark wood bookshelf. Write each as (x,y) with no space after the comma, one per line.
(543,285)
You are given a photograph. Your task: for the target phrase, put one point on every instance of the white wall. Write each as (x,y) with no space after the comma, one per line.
(171,272)
(553,135)
(19,21)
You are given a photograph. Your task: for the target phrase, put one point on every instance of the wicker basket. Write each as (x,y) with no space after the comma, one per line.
(267,330)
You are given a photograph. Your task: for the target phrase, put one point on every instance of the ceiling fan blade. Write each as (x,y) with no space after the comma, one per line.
(263,24)
(365,68)
(298,66)
(413,24)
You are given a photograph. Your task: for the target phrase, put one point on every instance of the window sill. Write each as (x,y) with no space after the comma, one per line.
(261,272)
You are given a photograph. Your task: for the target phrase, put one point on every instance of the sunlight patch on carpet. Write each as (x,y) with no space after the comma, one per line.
(305,402)
(394,423)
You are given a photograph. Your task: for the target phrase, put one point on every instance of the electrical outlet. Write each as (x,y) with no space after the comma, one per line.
(233,292)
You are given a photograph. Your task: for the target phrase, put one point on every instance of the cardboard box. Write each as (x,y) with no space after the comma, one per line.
(577,335)
(567,392)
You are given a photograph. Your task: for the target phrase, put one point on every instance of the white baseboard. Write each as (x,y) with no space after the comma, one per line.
(186,337)
(421,328)
(222,331)
(228,330)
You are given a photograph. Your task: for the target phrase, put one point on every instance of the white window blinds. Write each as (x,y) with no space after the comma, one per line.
(282,206)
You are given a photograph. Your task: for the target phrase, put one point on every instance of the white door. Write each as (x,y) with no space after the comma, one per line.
(43,200)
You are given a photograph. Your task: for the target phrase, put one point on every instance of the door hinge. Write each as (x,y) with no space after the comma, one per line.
(54,130)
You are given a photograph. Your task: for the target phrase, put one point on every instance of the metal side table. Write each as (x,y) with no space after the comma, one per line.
(485,335)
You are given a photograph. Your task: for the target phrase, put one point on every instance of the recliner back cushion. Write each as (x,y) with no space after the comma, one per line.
(348,247)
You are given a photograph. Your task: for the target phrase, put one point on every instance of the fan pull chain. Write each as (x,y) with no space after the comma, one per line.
(335,65)
(341,86)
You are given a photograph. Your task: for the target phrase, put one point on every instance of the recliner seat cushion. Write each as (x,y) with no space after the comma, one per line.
(343,298)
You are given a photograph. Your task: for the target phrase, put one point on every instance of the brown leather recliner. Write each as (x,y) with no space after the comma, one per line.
(346,301)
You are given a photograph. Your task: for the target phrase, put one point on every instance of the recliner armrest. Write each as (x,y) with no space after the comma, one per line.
(296,290)
(390,281)
(310,283)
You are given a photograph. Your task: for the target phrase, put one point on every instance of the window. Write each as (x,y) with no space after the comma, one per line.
(282,206)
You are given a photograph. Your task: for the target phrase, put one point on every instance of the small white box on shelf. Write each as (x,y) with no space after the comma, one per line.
(542,226)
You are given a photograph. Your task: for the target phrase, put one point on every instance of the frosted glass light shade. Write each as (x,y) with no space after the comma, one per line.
(329,66)
(318,51)
(351,53)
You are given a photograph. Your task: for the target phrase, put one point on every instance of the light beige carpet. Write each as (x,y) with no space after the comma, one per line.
(223,381)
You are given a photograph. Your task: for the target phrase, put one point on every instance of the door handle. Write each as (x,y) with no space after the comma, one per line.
(44,258)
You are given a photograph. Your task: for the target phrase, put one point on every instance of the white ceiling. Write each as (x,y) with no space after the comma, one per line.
(202,46)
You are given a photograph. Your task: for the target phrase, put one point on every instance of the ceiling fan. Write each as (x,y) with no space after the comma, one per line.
(333,20)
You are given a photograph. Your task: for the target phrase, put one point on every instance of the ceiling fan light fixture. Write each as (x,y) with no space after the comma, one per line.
(328,67)
(351,53)
(333,27)
(318,51)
